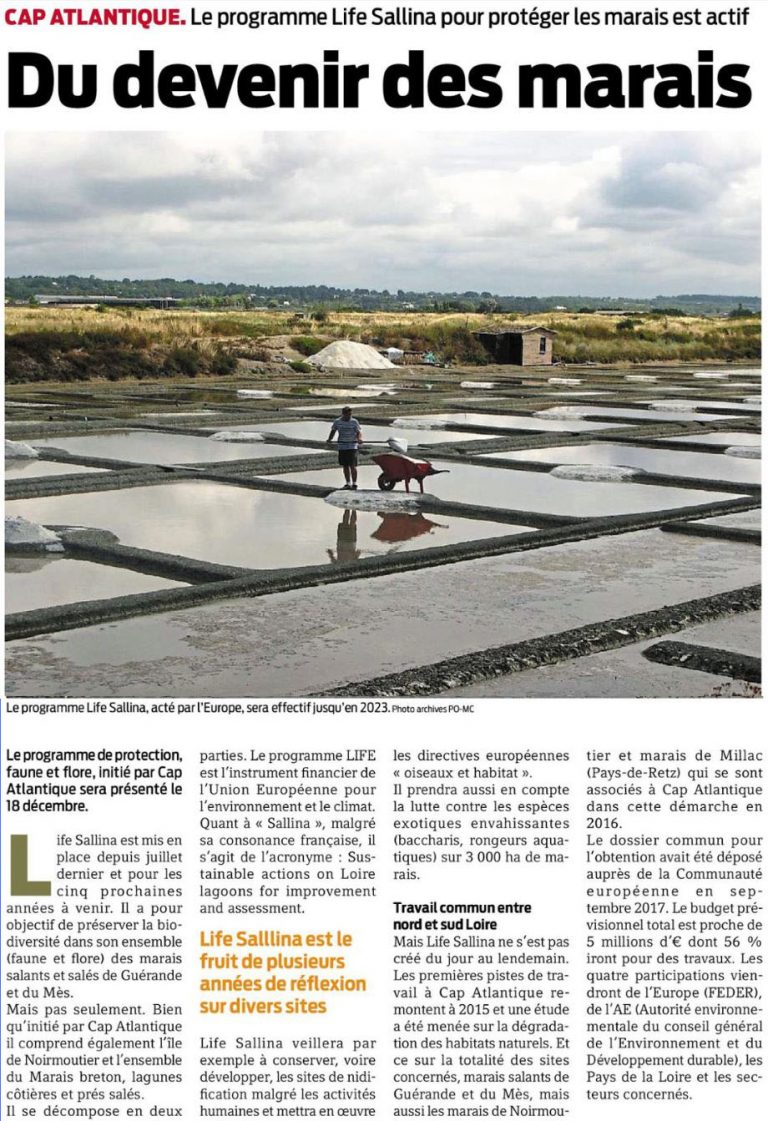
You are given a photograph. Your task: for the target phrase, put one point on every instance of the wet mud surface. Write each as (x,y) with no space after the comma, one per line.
(569,645)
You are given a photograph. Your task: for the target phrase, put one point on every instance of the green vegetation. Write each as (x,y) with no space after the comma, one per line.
(67,356)
(452,341)
(307,345)
(76,344)
(604,340)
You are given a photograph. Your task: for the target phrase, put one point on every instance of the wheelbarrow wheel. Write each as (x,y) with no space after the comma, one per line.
(385,483)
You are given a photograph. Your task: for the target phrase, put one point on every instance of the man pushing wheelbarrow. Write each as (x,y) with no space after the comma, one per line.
(398,467)
(395,465)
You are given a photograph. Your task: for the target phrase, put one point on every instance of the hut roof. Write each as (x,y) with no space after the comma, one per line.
(516,329)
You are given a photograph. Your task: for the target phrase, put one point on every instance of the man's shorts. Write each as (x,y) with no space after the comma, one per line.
(348,457)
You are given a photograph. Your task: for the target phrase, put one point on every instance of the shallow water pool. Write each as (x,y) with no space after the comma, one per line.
(744,519)
(372,433)
(720,439)
(325,407)
(695,465)
(679,415)
(500,420)
(40,468)
(135,446)
(250,528)
(531,491)
(731,406)
(49,581)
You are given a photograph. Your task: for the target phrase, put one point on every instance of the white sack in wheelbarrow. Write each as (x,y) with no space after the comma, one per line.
(397,444)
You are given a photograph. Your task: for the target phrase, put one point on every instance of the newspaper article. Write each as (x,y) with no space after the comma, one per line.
(382,724)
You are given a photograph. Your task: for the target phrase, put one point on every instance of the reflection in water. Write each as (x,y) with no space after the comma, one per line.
(46,581)
(38,468)
(21,564)
(399,526)
(230,524)
(395,529)
(346,540)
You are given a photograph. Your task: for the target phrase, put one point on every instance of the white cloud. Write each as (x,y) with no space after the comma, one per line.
(514,213)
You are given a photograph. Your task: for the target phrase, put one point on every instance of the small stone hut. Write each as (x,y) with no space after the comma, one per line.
(519,346)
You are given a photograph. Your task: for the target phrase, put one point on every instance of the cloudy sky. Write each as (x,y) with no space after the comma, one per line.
(520,213)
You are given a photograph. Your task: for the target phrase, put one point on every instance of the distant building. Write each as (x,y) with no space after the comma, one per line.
(519,346)
(45,299)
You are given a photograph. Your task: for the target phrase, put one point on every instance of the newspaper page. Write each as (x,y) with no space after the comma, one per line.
(382,731)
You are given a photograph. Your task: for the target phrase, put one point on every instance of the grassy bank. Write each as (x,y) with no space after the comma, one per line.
(77,344)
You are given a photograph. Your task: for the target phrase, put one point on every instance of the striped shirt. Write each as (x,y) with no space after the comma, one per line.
(349,433)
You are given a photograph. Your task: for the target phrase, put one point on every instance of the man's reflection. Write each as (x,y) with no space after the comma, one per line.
(346,540)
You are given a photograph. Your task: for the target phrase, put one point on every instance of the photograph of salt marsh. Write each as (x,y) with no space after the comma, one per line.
(542,496)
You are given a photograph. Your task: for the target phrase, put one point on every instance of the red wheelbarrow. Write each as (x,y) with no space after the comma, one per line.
(401,469)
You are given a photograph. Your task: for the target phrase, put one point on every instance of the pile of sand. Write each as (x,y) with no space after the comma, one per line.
(16,450)
(745,452)
(25,534)
(229,436)
(346,355)
(593,473)
(417,422)
(566,412)
(376,500)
